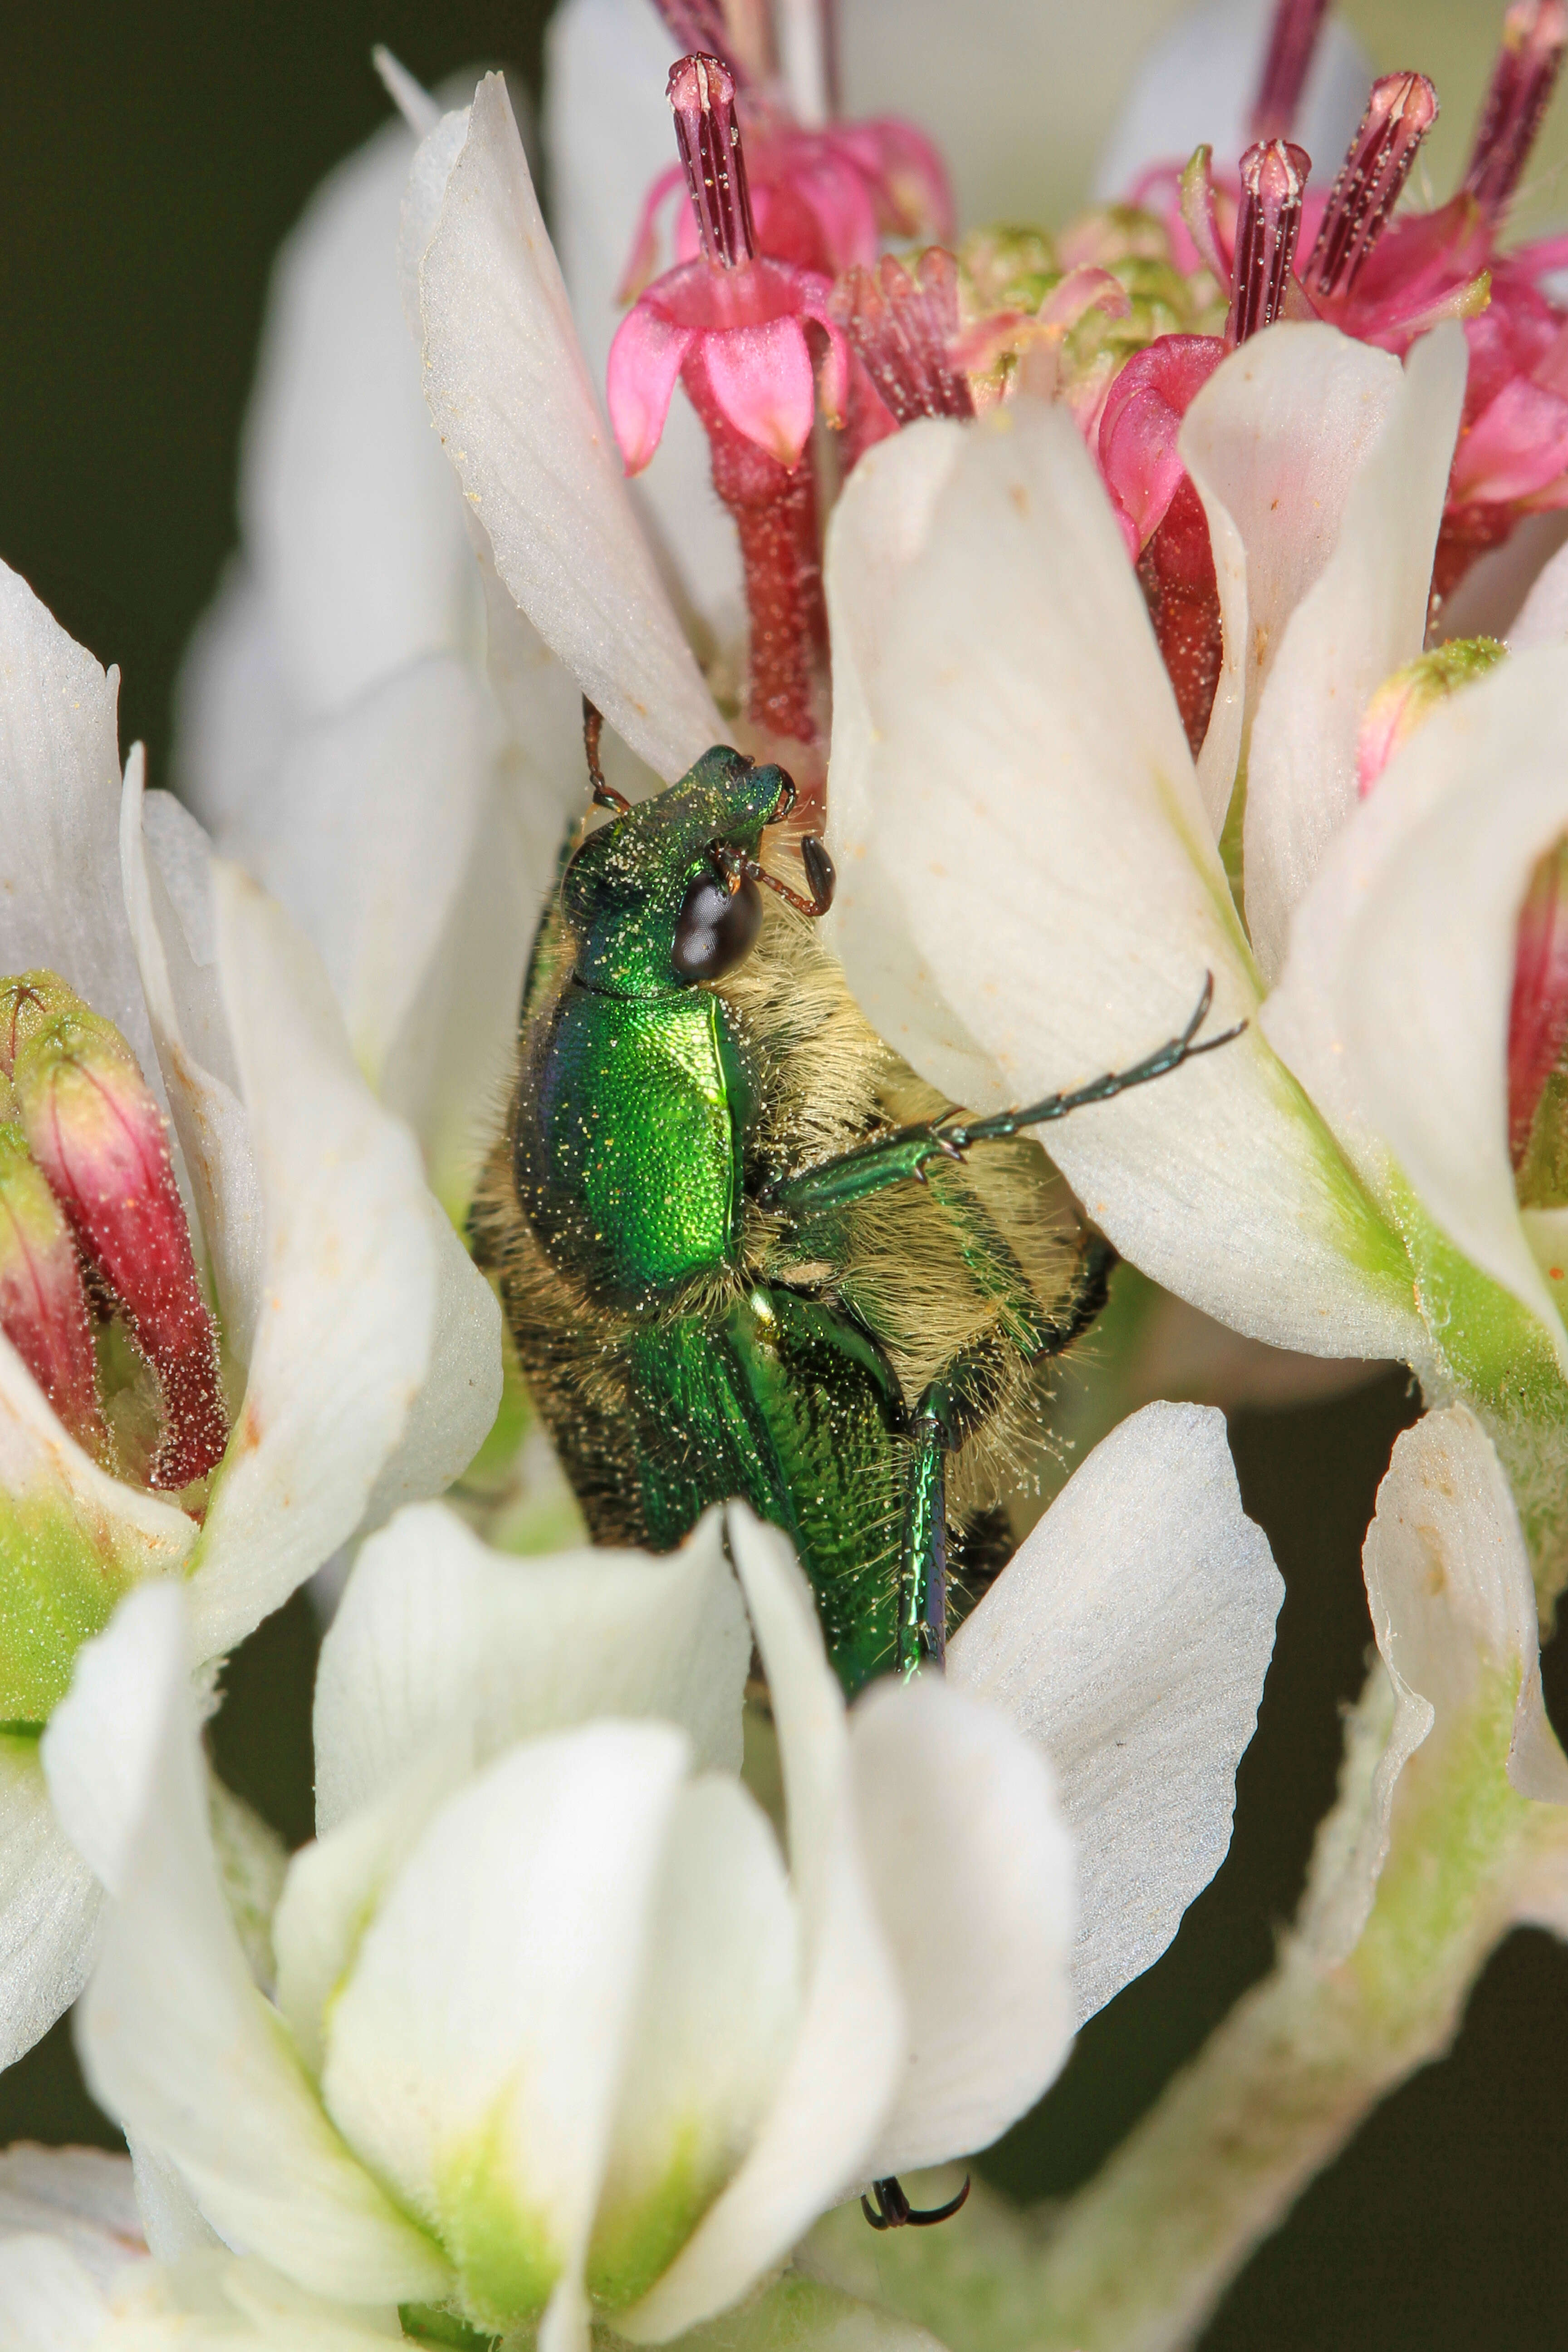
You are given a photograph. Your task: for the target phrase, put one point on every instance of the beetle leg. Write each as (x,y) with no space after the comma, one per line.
(1165,1058)
(893,2209)
(922,1558)
(874,1165)
(951,1408)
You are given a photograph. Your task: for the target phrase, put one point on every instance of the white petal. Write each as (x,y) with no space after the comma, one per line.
(176,2041)
(170,2218)
(83,2197)
(235,709)
(190,1034)
(1360,618)
(47,2296)
(60,903)
(438,1633)
(1542,619)
(1402,961)
(1273,443)
(1448,1585)
(349,512)
(1198,83)
(1030,892)
(609,136)
(334,1885)
(346,1363)
(510,393)
(365,833)
(844,2072)
(49,1908)
(72,1540)
(475,2053)
(1130,1635)
(716,2017)
(973,1869)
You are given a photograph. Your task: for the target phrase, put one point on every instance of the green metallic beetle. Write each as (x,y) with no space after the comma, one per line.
(722,1275)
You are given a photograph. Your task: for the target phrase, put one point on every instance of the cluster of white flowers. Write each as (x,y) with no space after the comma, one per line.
(582,2008)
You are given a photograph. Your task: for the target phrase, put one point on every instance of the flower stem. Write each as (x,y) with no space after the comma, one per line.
(1138,2260)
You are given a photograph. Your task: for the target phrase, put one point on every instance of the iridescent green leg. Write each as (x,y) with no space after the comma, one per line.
(857,1174)
(923,1561)
(950,1410)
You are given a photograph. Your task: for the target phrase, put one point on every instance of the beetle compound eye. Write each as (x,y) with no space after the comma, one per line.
(717,926)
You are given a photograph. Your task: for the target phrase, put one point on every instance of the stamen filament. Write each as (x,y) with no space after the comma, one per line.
(1400,112)
(1273,178)
(1534,34)
(701,91)
(1291,45)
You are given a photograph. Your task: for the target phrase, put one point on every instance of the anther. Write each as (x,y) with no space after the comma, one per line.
(1400,112)
(1287,63)
(1534,33)
(701,91)
(1273,178)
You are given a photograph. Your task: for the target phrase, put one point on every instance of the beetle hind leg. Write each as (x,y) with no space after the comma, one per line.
(951,1407)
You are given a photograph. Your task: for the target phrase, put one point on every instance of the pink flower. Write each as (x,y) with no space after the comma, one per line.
(737,336)
(732,326)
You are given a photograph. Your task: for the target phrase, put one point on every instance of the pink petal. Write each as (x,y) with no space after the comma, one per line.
(645,360)
(761,378)
(1137,440)
(1517,446)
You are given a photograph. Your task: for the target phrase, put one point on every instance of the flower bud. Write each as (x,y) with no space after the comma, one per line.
(95,1130)
(43,1302)
(1405,701)
(30,1001)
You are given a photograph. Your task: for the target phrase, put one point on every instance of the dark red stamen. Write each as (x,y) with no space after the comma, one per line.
(1291,45)
(1400,112)
(701,25)
(900,327)
(1273,178)
(1534,33)
(701,90)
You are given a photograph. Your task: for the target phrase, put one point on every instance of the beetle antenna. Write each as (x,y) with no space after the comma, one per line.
(604,795)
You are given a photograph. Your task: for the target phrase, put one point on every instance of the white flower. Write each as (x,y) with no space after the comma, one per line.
(338,734)
(556,2031)
(1033,885)
(361,1347)
(76,2276)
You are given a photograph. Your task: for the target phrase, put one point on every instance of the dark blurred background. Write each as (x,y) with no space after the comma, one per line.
(150,161)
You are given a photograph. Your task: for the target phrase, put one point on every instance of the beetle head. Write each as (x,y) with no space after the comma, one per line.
(666,895)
